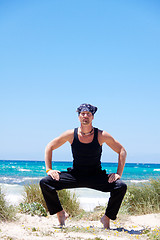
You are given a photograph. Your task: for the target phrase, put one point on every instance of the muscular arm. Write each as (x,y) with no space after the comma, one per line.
(104,137)
(54,144)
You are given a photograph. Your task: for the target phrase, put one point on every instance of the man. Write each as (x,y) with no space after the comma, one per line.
(86,143)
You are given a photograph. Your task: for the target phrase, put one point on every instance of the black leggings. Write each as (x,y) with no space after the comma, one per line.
(98,182)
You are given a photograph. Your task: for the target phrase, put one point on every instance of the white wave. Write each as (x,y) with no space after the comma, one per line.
(14,180)
(138,181)
(11,180)
(156,170)
(31,178)
(10,186)
(6,179)
(24,170)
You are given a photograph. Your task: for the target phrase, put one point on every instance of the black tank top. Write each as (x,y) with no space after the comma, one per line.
(86,156)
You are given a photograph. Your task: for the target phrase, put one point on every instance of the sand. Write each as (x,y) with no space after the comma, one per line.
(27,227)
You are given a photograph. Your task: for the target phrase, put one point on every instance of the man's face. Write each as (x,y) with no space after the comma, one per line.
(86,117)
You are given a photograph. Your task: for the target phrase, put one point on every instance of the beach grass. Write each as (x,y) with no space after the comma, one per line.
(32,194)
(69,202)
(7,212)
(142,198)
(139,199)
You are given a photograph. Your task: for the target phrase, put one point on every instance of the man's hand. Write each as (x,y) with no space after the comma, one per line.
(112,177)
(54,174)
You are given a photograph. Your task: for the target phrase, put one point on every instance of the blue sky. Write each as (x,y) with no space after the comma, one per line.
(57,54)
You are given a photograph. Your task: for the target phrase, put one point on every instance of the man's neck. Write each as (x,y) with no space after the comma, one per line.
(86,129)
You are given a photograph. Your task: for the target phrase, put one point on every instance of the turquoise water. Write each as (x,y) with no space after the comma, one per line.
(22,172)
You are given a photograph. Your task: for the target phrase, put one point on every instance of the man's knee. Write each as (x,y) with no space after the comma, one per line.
(43,182)
(121,186)
(124,186)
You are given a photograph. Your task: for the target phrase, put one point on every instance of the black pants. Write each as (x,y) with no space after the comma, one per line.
(98,182)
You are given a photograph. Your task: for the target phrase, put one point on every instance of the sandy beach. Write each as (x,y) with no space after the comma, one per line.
(27,227)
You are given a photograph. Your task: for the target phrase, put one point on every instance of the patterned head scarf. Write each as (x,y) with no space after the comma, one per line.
(86,107)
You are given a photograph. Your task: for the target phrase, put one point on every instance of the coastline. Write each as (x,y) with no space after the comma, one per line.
(88,198)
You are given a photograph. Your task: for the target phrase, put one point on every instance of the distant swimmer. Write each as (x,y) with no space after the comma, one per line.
(86,145)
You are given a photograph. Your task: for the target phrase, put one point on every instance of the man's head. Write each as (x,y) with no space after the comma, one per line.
(87,108)
(86,113)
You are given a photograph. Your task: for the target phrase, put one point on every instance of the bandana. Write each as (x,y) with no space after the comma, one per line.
(87,108)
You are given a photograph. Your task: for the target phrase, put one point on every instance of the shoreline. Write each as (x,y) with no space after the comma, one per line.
(88,198)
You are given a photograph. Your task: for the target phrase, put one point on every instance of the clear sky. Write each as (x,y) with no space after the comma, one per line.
(57,54)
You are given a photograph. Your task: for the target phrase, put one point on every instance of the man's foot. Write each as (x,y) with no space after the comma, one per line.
(106,222)
(62,216)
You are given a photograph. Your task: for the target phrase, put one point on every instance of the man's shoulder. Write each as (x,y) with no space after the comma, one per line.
(69,135)
(103,135)
(68,132)
(102,132)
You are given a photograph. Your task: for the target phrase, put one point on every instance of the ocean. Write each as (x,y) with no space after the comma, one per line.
(14,174)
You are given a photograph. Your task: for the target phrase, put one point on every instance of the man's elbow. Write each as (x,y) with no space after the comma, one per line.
(123,153)
(48,148)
